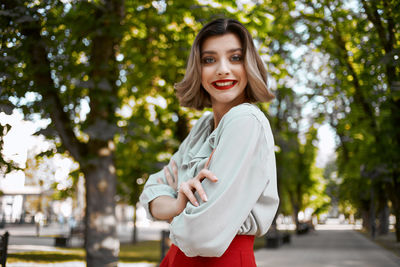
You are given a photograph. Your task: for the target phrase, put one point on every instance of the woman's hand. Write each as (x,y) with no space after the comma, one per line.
(172,180)
(188,188)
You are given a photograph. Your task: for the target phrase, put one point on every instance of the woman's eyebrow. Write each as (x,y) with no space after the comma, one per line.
(229,51)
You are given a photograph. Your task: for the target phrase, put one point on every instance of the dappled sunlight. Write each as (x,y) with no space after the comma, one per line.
(88,89)
(21,248)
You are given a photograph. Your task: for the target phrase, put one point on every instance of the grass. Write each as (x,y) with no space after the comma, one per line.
(259,242)
(47,256)
(146,251)
(149,251)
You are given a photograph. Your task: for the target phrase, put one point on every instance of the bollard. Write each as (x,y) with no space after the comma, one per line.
(286,238)
(61,241)
(273,239)
(3,248)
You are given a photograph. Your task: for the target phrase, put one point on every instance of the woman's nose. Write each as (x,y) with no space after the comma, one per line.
(223,68)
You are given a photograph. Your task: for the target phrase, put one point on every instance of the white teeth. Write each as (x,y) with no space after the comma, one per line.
(224,83)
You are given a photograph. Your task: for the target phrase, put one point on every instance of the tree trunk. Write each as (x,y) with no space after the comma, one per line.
(383,217)
(101,242)
(395,198)
(296,216)
(365,215)
(134,232)
(383,214)
(372,216)
(397,225)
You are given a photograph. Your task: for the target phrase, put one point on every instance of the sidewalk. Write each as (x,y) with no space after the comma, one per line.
(328,248)
(338,246)
(23,237)
(148,231)
(73,264)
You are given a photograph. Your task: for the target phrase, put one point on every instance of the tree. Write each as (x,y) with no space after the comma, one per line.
(360,42)
(45,53)
(96,70)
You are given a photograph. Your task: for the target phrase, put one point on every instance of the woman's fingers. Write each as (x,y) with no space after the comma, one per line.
(189,187)
(185,189)
(200,190)
(174,170)
(168,176)
(204,173)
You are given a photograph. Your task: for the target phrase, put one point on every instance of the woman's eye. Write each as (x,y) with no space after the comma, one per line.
(208,60)
(236,58)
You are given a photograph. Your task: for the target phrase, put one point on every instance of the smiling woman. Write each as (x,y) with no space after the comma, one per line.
(222,72)
(190,90)
(219,190)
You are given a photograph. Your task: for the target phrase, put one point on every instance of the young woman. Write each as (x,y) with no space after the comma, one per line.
(219,189)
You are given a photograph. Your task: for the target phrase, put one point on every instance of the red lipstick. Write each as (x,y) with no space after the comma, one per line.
(224,84)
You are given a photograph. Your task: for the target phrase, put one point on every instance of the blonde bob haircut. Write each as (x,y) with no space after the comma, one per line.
(191,93)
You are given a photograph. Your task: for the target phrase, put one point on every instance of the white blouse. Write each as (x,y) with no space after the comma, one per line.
(243,201)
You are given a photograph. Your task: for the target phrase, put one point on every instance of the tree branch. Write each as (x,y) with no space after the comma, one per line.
(41,72)
(374,17)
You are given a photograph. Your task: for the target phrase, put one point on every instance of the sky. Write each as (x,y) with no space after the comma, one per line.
(17,144)
(326,145)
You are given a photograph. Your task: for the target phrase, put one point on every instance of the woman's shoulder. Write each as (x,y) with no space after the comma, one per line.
(245,119)
(245,111)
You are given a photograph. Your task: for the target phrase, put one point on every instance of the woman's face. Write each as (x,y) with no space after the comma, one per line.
(223,74)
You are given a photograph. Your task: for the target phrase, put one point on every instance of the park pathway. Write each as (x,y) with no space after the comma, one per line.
(328,248)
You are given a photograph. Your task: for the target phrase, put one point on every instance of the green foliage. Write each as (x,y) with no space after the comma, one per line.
(133,111)
(150,57)
(318,198)
(360,41)
(69,191)
(155,50)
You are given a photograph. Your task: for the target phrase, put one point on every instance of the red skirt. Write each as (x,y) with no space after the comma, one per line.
(240,253)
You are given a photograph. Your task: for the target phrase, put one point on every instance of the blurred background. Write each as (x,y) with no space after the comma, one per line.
(88,111)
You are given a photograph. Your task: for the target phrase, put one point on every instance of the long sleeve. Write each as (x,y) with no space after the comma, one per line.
(152,188)
(244,163)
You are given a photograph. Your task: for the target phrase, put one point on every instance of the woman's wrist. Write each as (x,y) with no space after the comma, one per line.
(180,203)
(164,208)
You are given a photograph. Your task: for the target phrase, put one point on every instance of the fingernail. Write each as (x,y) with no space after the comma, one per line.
(205,198)
(196,204)
(215,177)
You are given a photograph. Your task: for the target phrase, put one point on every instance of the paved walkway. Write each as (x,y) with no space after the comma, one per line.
(328,248)
(324,247)
(72,264)
(23,237)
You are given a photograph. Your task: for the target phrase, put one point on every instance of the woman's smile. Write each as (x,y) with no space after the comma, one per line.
(223,75)
(224,84)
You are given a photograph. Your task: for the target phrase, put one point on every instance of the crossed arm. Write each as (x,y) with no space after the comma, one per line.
(166,207)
